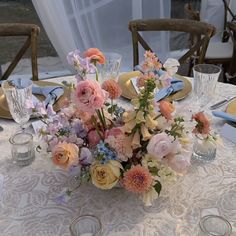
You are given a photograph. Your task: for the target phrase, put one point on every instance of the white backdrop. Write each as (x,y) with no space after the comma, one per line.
(80,24)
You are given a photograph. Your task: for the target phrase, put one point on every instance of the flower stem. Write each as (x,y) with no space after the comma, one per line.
(94,122)
(96,74)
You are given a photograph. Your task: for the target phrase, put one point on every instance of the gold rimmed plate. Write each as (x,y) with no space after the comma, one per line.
(4,110)
(129,92)
(231,108)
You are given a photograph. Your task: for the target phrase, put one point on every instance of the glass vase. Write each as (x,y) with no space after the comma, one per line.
(204,149)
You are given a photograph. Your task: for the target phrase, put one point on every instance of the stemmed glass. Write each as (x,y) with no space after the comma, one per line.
(111,68)
(18,92)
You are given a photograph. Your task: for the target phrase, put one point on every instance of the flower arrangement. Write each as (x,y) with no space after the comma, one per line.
(141,149)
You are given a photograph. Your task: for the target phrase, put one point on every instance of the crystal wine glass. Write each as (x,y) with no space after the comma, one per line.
(18,92)
(110,69)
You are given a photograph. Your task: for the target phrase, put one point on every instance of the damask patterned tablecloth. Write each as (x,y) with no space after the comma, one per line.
(28,203)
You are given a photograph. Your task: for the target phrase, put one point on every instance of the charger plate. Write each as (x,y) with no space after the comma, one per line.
(231,108)
(5,113)
(129,92)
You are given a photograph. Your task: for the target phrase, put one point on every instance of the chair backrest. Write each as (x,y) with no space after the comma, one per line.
(31,31)
(201,31)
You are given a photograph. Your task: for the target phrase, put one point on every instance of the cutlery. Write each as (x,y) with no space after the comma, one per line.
(221,103)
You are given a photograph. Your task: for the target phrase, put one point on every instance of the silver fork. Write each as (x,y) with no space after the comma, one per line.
(221,103)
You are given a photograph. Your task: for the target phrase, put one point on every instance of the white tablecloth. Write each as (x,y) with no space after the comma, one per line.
(28,205)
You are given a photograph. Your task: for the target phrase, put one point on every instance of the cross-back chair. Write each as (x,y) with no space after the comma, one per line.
(31,31)
(202,33)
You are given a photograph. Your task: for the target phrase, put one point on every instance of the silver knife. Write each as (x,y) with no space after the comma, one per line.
(221,103)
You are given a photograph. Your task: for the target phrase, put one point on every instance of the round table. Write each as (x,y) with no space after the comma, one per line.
(28,203)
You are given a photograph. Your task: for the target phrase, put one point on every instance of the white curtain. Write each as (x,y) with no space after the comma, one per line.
(80,24)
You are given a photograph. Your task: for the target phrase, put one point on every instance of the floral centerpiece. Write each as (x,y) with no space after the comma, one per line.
(140,149)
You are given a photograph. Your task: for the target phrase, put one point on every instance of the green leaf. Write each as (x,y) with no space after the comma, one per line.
(158,187)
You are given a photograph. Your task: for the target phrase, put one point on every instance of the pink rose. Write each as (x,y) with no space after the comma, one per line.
(93,138)
(161,145)
(179,162)
(89,96)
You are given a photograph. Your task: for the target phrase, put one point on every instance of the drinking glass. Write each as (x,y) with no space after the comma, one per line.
(86,225)
(110,69)
(205,80)
(213,225)
(18,92)
(22,149)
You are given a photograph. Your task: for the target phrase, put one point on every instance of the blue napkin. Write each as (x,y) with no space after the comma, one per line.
(52,93)
(176,85)
(224,115)
(20,83)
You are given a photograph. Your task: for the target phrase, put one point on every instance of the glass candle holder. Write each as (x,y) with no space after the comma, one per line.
(203,149)
(22,149)
(212,225)
(86,225)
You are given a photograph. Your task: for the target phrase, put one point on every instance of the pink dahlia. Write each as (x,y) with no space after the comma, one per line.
(112,87)
(137,179)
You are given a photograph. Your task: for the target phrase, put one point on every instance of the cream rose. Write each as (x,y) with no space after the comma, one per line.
(160,145)
(105,176)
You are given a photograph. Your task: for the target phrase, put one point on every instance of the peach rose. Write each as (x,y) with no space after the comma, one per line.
(65,155)
(95,55)
(166,108)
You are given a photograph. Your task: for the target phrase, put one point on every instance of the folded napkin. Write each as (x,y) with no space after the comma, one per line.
(176,85)
(52,93)
(19,83)
(224,115)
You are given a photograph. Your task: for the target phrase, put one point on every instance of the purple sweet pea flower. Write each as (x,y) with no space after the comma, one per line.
(63,197)
(79,78)
(75,170)
(50,111)
(82,65)
(41,109)
(86,157)
(79,129)
(73,56)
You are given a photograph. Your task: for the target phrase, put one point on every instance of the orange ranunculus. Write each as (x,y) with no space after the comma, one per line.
(203,123)
(166,108)
(95,55)
(65,155)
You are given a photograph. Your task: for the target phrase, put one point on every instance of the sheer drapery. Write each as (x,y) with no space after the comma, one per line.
(212,11)
(81,24)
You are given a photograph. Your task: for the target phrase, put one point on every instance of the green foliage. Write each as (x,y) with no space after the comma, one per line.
(158,187)
(177,128)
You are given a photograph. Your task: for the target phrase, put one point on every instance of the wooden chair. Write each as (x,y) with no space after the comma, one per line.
(31,31)
(200,31)
(218,52)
